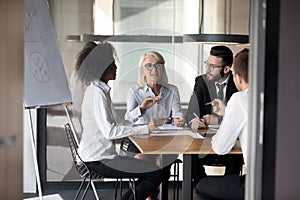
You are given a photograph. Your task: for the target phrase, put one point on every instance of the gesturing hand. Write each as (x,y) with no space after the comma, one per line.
(218,107)
(149,102)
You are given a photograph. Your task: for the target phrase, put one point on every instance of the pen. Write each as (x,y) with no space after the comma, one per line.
(209,103)
(165,118)
(196,115)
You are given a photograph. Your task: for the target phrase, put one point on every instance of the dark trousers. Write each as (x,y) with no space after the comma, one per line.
(149,175)
(233,164)
(228,187)
(129,149)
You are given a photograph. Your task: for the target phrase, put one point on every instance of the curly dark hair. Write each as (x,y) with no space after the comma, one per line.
(88,47)
(96,62)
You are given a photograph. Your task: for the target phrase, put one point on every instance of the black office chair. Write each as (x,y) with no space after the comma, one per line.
(84,170)
(175,176)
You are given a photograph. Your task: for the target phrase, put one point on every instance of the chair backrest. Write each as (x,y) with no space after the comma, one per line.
(81,167)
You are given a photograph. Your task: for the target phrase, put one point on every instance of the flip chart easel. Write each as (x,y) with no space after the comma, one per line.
(45,82)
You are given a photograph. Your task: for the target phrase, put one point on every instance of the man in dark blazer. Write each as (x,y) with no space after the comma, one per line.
(216,83)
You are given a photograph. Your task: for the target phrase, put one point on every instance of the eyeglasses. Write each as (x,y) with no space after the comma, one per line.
(211,66)
(150,66)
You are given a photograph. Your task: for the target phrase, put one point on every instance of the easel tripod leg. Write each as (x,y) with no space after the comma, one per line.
(33,146)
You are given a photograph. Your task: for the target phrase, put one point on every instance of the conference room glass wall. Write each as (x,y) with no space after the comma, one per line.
(169,18)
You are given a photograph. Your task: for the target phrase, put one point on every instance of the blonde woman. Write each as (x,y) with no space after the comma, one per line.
(153,97)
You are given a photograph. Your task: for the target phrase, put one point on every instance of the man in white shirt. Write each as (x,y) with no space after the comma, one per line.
(234,126)
(217,83)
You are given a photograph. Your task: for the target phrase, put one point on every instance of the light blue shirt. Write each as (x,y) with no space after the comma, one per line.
(99,124)
(170,102)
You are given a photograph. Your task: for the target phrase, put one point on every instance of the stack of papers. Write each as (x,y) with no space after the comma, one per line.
(169,127)
(172,133)
(214,127)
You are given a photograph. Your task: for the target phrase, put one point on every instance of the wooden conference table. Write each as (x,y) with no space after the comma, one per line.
(179,144)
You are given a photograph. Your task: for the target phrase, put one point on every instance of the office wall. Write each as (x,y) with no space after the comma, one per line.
(287,165)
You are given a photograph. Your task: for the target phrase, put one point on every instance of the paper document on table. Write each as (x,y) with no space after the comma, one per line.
(214,127)
(169,127)
(172,133)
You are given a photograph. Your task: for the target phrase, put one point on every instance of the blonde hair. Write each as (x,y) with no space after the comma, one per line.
(142,79)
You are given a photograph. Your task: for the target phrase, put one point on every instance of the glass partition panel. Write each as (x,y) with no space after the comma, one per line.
(138,18)
(126,17)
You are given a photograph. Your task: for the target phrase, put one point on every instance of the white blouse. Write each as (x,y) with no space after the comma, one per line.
(99,124)
(170,102)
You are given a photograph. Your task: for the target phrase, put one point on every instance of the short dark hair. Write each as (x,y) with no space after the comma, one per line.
(223,52)
(240,64)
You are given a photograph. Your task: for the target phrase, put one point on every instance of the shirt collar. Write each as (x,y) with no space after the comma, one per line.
(102,85)
(148,89)
(246,90)
(226,81)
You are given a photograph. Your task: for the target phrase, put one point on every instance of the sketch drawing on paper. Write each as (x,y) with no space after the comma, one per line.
(45,81)
(39,67)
